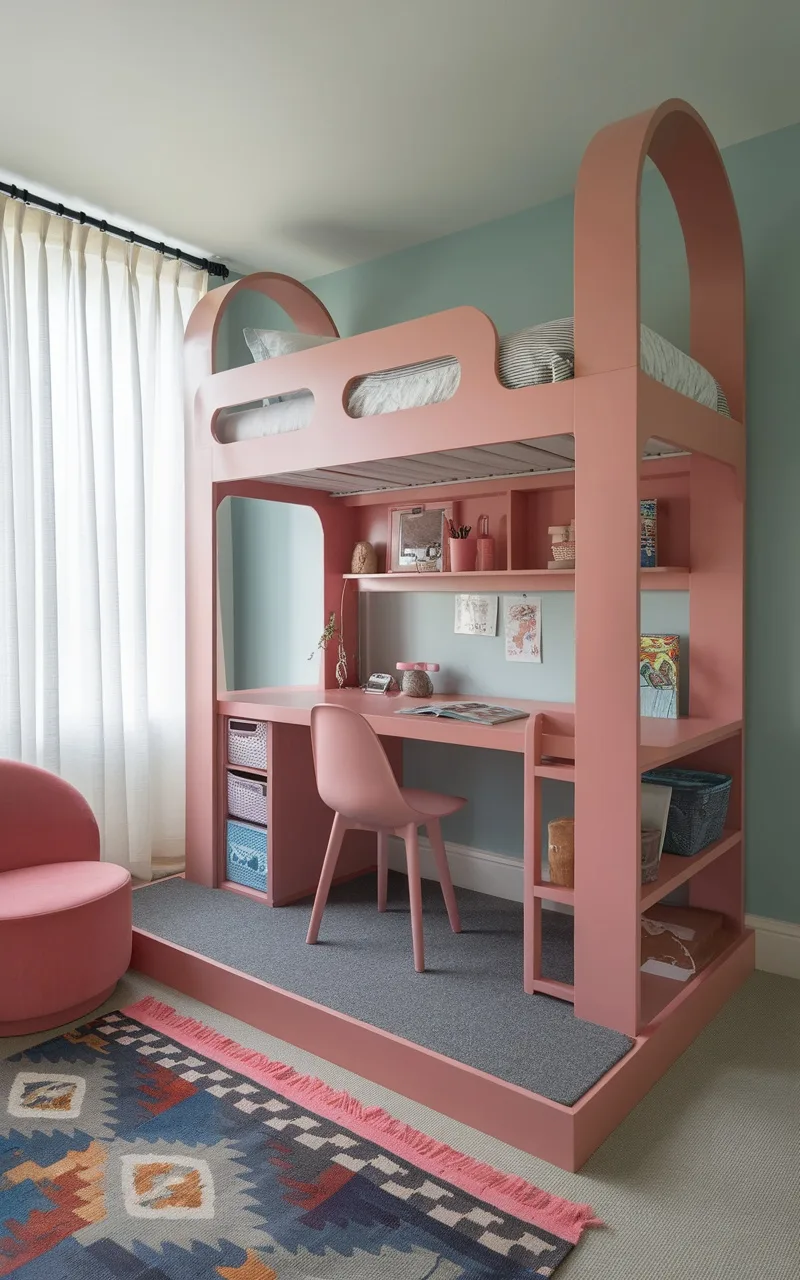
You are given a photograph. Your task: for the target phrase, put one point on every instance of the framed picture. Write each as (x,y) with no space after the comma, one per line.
(418,538)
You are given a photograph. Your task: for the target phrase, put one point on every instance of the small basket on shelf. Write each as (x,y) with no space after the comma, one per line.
(247,798)
(698,808)
(562,549)
(247,743)
(246,855)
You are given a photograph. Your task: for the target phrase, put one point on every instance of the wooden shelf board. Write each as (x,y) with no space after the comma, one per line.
(666,740)
(246,768)
(659,579)
(660,997)
(246,891)
(554,893)
(558,772)
(675,870)
(550,987)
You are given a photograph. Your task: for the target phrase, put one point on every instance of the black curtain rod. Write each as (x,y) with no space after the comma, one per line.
(133,237)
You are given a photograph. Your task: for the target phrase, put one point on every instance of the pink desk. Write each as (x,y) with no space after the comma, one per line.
(293,706)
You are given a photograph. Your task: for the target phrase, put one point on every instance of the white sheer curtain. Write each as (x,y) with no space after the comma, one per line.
(92,523)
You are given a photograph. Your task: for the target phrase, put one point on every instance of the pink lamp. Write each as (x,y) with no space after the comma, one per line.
(416,682)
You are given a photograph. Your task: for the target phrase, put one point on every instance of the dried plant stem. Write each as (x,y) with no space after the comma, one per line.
(331,631)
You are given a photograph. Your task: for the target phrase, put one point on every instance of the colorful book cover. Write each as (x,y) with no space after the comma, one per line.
(648,517)
(658,676)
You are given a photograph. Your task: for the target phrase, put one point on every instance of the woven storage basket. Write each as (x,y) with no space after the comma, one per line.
(246,860)
(651,855)
(563,550)
(247,743)
(247,798)
(697,809)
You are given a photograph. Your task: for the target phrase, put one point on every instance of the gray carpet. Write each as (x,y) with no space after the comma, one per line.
(468,1005)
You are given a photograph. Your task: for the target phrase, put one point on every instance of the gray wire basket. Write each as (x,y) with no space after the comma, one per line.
(697,809)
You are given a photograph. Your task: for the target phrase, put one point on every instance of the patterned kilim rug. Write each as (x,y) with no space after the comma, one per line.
(145,1146)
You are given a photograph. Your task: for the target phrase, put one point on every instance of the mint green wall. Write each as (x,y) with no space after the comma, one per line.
(519,270)
(277,592)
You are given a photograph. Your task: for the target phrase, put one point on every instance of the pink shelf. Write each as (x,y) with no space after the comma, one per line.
(675,870)
(559,990)
(245,891)
(659,579)
(665,740)
(662,997)
(554,893)
(557,772)
(247,768)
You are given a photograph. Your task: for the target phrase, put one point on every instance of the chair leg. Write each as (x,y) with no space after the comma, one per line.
(448,893)
(383,868)
(415,895)
(326,875)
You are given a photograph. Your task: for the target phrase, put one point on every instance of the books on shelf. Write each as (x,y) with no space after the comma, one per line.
(472,712)
(659,659)
(648,525)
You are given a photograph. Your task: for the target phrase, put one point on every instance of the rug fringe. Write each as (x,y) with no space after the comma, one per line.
(505,1191)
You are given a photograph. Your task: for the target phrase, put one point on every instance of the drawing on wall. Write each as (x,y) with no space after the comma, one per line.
(659,676)
(522,616)
(476,615)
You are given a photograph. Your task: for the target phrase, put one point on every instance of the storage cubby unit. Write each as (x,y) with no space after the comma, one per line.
(591,447)
(520,512)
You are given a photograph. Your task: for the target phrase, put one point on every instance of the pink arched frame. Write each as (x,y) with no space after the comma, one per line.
(611,407)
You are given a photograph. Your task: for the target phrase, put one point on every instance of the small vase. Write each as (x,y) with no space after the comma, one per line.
(462,554)
(365,559)
(485,557)
(417,684)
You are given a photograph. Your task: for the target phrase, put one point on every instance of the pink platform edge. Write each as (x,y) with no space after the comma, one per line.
(505,1192)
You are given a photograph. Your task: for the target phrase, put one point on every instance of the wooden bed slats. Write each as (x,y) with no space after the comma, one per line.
(450,467)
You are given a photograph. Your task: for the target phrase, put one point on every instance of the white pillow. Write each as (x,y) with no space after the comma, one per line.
(266,344)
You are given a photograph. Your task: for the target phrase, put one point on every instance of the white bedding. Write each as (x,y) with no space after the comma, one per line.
(541,353)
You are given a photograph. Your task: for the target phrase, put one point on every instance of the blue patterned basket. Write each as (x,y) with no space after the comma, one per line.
(246,860)
(697,809)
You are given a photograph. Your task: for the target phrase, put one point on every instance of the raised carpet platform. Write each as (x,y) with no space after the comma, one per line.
(469,1005)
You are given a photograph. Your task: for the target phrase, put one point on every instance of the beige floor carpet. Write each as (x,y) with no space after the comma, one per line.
(701,1182)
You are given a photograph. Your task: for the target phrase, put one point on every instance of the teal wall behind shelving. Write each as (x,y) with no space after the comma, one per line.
(519,270)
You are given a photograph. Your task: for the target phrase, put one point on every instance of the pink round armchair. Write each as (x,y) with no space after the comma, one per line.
(65,917)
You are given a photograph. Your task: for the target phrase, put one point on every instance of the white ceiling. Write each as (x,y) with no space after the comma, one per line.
(306,135)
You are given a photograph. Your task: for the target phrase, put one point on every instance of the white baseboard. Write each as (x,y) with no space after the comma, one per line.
(498,874)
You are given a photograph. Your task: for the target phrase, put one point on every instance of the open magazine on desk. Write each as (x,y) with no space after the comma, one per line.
(473,712)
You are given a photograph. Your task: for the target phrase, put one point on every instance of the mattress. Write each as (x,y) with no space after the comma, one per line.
(538,354)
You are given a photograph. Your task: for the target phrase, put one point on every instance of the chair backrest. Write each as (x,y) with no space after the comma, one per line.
(43,819)
(354,777)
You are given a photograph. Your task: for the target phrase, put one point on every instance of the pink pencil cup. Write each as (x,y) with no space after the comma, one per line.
(462,554)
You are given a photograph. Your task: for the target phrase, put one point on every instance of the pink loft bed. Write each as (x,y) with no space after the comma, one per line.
(340,465)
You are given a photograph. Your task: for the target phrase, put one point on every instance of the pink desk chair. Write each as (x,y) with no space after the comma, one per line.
(355,779)
(65,917)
